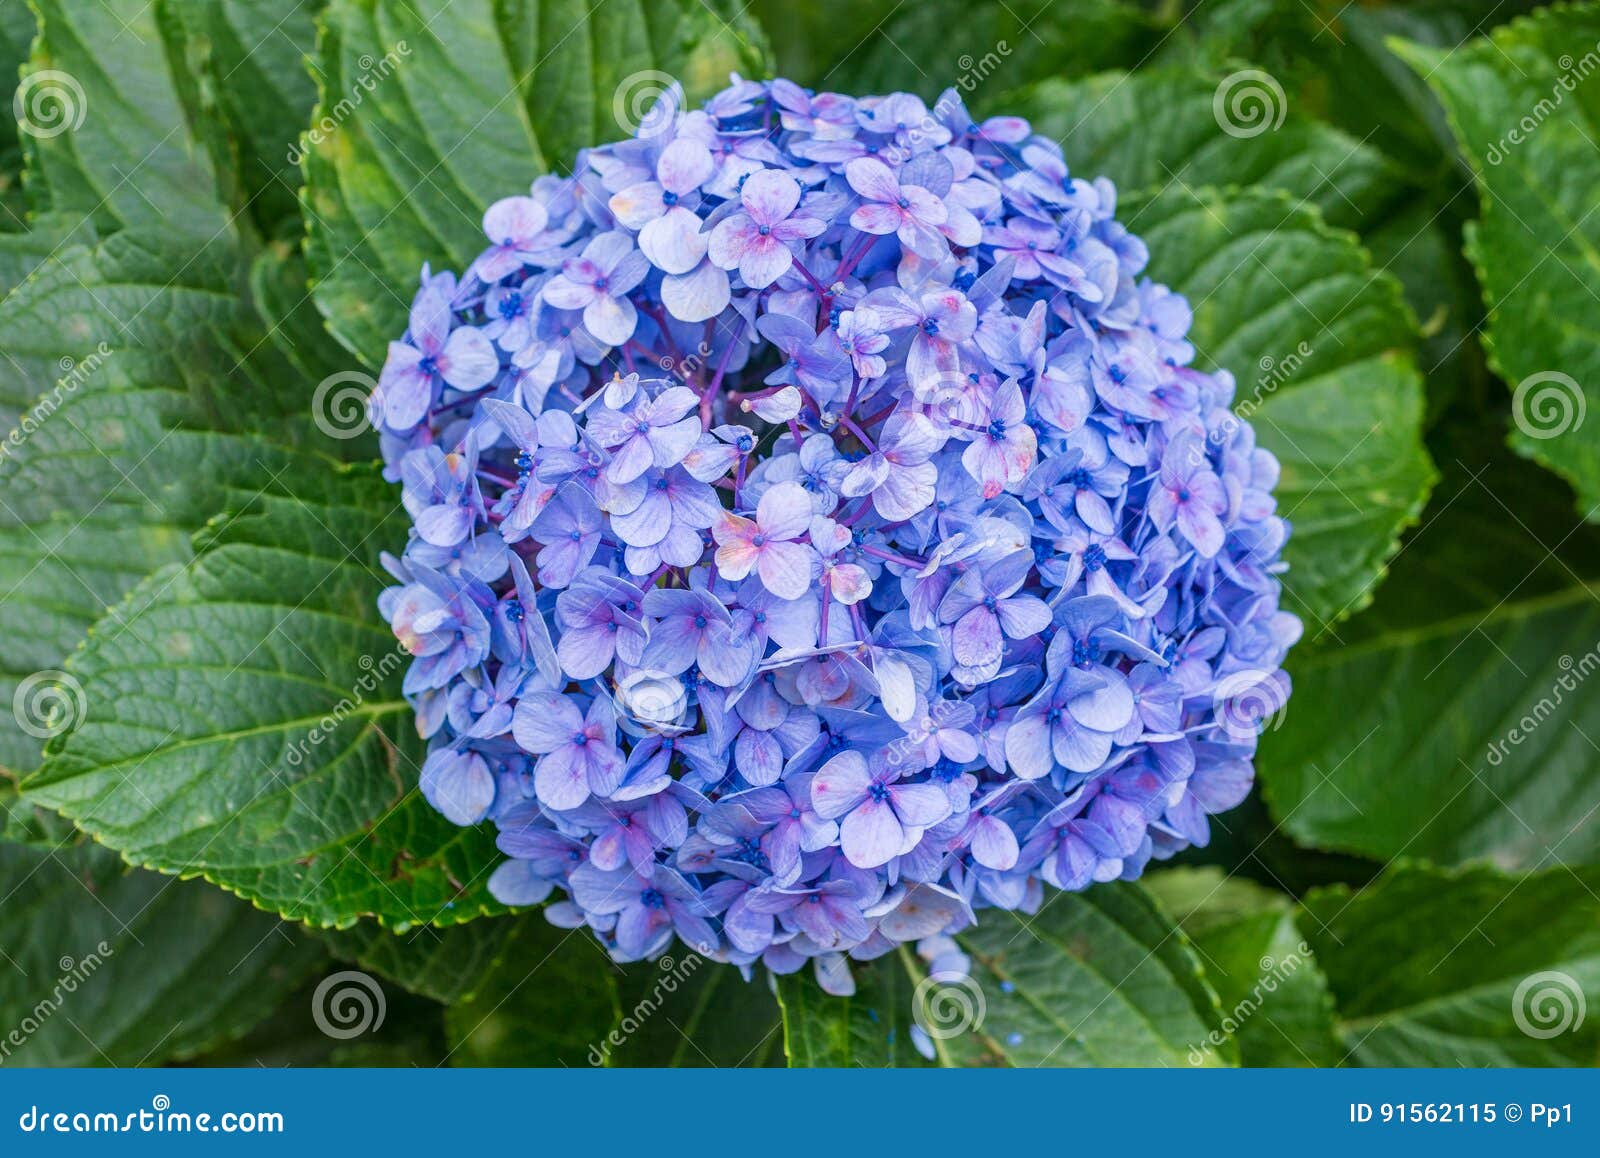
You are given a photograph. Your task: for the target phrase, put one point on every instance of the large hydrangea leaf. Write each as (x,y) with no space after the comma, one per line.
(243,721)
(1099,978)
(885,46)
(1527,124)
(1475,968)
(1320,344)
(106,965)
(446,964)
(1163,127)
(1466,729)
(427,116)
(144,373)
(1275,1001)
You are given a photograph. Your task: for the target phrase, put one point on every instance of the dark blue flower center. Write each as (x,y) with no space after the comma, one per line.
(878,792)
(510,305)
(1094,556)
(652,899)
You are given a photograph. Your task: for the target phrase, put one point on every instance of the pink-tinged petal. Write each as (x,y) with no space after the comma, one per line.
(734,530)
(799,228)
(920,805)
(729,238)
(784,512)
(671,443)
(630,460)
(976,638)
(514,220)
(785,568)
(994,845)
(565,294)
(468,359)
(849,583)
(1023,615)
(872,835)
(764,261)
(673,242)
(638,205)
(561,779)
(921,239)
(430,320)
(685,165)
(735,560)
(1200,527)
(876,218)
(608,250)
(605,768)
(924,206)
(872,179)
(609,850)
(404,391)
(545,721)
(906,491)
(697,296)
(840,785)
(769,196)
(758,757)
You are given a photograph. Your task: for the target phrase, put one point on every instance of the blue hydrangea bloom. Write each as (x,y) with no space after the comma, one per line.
(822,535)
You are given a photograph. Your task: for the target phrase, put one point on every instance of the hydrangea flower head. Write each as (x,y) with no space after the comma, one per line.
(822,535)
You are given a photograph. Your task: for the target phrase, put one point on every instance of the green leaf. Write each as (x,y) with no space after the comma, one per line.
(1475,968)
(1464,727)
(16,40)
(1319,342)
(685,1011)
(105,965)
(248,64)
(447,964)
(870,1028)
(1099,978)
(882,46)
(1527,124)
(431,110)
(125,157)
(243,720)
(1154,128)
(1275,1001)
(550,1000)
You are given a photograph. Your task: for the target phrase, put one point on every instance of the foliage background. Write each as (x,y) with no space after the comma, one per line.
(209,790)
